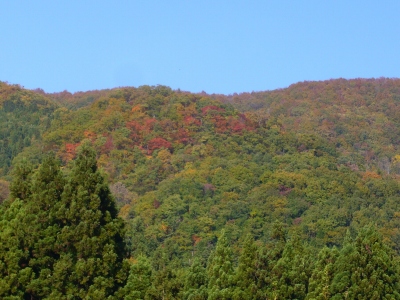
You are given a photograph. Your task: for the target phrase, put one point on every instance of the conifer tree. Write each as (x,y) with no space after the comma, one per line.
(196,282)
(365,269)
(246,271)
(90,243)
(267,258)
(60,235)
(33,229)
(220,270)
(320,281)
(290,275)
(166,280)
(139,280)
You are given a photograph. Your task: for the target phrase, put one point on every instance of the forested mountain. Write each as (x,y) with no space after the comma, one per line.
(292,193)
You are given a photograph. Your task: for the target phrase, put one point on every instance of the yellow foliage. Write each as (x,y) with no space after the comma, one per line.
(164,227)
(124,211)
(396,159)
(137,108)
(164,155)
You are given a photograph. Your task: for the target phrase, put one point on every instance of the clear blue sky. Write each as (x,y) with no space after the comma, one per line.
(216,46)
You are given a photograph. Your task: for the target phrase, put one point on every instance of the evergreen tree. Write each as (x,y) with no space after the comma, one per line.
(267,258)
(365,269)
(220,270)
(246,271)
(320,281)
(60,236)
(90,242)
(29,235)
(196,282)
(167,282)
(139,280)
(290,275)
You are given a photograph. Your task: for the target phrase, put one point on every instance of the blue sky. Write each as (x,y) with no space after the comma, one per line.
(212,46)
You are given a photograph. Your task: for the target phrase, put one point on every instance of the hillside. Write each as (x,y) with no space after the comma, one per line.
(321,159)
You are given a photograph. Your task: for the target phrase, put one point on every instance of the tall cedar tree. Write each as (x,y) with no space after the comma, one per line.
(60,235)
(220,270)
(319,287)
(365,269)
(246,271)
(196,282)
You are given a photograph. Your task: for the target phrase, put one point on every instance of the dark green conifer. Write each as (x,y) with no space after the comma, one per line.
(267,258)
(90,242)
(139,280)
(289,276)
(196,282)
(365,269)
(246,272)
(220,270)
(320,281)
(60,237)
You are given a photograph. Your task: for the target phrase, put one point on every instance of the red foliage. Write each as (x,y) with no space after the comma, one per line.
(182,136)
(134,126)
(158,143)
(108,145)
(189,120)
(149,124)
(135,129)
(71,148)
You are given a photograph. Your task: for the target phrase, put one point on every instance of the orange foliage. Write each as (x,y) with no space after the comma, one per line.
(370,174)
(70,151)
(89,135)
(195,239)
(207,108)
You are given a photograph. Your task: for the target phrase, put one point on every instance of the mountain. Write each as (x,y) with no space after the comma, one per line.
(236,159)
(321,159)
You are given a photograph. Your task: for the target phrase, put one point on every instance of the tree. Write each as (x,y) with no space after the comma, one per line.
(91,243)
(139,279)
(320,281)
(289,276)
(366,269)
(246,278)
(60,235)
(220,270)
(196,282)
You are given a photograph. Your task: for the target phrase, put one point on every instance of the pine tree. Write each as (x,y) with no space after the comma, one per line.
(220,271)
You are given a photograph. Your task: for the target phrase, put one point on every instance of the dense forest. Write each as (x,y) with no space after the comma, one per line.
(154,193)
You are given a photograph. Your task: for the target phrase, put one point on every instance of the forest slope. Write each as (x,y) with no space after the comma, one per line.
(321,157)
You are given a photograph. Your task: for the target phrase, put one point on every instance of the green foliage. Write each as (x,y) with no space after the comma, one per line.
(61,237)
